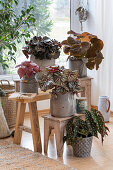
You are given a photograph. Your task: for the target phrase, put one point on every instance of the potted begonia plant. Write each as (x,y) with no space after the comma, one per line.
(84,51)
(42,50)
(79,133)
(27,71)
(64,84)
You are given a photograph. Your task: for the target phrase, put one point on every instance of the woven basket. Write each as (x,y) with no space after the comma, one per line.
(9,106)
(5,85)
(82,147)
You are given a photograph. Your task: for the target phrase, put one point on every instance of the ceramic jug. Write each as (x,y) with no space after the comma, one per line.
(104,107)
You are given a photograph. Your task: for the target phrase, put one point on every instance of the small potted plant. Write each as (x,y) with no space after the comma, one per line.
(79,133)
(42,50)
(27,71)
(64,84)
(84,51)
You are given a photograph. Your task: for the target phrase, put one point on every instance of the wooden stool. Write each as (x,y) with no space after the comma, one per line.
(58,124)
(31,99)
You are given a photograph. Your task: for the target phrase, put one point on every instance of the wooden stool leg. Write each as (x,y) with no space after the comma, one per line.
(35,127)
(19,122)
(47,132)
(59,133)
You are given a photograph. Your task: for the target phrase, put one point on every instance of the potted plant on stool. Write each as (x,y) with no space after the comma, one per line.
(26,71)
(64,84)
(79,133)
(42,51)
(84,52)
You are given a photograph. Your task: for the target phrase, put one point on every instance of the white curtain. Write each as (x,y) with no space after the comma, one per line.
(100,22)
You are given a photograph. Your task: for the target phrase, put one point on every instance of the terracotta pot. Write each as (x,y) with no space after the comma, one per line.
(28,85)
(79,65)
(82,147)
(42,63)
(62,105)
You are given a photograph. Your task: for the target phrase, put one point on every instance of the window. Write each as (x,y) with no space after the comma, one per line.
(56,27)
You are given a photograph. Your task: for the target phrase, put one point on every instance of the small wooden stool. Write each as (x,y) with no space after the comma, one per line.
(58,124)
(31,99)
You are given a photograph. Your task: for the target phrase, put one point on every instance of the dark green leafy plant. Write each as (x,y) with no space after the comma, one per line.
(84,46)
(42,48)
(60,80)
(92,126)
(13,27)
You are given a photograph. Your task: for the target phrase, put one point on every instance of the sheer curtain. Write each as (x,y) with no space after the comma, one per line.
(102,83)
(100,23)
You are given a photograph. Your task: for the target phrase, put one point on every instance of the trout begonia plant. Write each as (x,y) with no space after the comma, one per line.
(27,68)
(60,80)
(92,126)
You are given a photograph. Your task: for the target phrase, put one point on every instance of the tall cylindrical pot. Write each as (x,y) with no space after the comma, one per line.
(28,84)
(104,107)
(82,147)
(43,63)
(62,105)
(79,65)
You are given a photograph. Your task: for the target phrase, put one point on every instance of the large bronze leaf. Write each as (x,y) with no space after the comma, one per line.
(65,42)
(97,43)
(98,59)
(72,32)
(66,49)
(72,41)
(91,63)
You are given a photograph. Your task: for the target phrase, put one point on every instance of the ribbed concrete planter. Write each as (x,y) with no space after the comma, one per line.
(82,147)
(43,63)
(79,65)
(28,85)
(63,105)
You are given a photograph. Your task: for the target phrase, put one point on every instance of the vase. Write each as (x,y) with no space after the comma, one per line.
(82,147)
(43,63)
(79,65)
(81,105)
(62,105)
(104,107)
(28,85)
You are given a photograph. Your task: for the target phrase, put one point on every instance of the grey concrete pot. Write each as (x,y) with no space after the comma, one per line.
(42,63)
(28,85)
(79,65)
(63,105)
(82,147)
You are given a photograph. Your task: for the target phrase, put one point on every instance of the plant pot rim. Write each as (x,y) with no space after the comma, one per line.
(82,138)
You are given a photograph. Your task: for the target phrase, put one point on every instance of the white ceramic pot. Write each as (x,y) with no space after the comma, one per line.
(104,107)
(43,63)
(79,65)
(62,105)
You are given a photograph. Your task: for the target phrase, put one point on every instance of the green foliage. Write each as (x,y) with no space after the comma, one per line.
(93,124)
(60,80)
(42,16)
(13,27)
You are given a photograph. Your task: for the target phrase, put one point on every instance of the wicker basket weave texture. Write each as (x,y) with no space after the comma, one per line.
(9,106)
(82,147)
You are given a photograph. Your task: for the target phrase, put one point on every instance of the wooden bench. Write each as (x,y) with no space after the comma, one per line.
(31,99)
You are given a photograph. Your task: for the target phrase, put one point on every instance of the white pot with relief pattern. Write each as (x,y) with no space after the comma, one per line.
(104,107)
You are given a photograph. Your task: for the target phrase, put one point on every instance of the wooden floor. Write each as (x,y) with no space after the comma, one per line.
(101,156)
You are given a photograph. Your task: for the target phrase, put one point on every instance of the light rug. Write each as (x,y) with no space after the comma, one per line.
(14,157)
